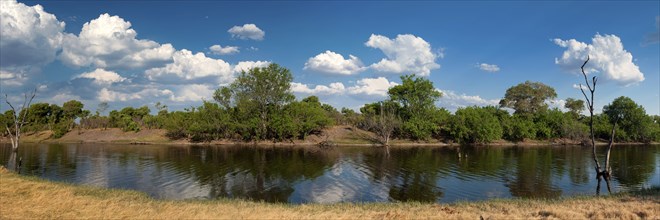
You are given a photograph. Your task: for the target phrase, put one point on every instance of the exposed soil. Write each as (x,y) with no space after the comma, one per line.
(336,135)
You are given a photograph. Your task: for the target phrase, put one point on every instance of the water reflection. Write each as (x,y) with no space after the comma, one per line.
(365,174)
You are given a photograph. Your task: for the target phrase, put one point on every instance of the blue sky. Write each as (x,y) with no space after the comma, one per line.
(134,53)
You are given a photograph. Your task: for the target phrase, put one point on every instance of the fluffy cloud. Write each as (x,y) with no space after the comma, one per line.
(452,100)
(580,86)
(247,31)
(332,89)
(557,103)
(190,68)
(334,63)
(219,50)
(194,92)
(30,36)
(607,57)
(247,65)
(109,42)
(405,54)
(107,95)
(61,98)
(102,77)
(489,67)
(11,78)
(372,87)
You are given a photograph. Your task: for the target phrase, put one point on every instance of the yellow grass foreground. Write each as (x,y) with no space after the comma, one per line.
(27,197)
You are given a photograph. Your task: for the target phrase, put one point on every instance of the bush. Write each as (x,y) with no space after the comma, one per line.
(475,125)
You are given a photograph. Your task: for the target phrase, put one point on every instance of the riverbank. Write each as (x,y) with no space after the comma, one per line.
(336,135)
(30,197)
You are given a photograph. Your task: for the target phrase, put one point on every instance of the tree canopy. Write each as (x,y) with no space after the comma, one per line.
(528,98)
(575,106)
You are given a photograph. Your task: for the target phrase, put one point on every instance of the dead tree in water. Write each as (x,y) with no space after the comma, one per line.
(600,172)
(19,117)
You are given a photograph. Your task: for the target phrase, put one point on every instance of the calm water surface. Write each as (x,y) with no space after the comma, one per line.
(345,174)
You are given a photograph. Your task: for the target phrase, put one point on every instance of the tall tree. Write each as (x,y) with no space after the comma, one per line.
(528,98)
(415,94)
(263,90)
(71,110)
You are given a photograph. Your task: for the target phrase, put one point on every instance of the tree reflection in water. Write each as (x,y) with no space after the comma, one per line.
(309,174)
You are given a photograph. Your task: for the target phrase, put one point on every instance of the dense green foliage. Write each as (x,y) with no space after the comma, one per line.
(259,105)
(632,122)
(475,125)
(528,98)
(413,103)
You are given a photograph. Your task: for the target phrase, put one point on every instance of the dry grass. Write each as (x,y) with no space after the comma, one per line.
(27,197)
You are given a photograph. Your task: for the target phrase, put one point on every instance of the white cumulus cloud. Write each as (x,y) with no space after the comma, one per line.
(489,67)
(332,89)
(452,100)
(557,103)
(102,77)
(220,50)
(190,68)
(11,78)
(372,86)
(109,42)
(247,65)
(247,31)
(29,36)
(607,56)
(107,95)
(406,53)
(193,92)
(334,63)
(580,86)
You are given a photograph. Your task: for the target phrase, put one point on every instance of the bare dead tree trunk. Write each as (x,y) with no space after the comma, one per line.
(590,103)
(19,118)
(606,172)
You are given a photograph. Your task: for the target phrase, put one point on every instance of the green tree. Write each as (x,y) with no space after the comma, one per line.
(528,98)
(260,90)
(308,117)
(415,94)
(72,109)
(223,96)
(475,125)
(631,118)
(575,106)
(417,97)
(519,129)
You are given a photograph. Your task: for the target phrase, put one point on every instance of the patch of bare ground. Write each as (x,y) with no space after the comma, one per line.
(114,135)
(29,197)
(335,135)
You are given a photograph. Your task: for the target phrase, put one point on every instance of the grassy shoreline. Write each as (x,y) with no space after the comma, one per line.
(337,135)
(30,197)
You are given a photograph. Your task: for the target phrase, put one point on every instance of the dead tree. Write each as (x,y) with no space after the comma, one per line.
(19,118)
(600,172)
(384,124)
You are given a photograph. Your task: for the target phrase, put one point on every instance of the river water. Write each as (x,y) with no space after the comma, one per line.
(342,174)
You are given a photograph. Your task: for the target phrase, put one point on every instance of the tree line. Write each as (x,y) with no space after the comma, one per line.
(259,105)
